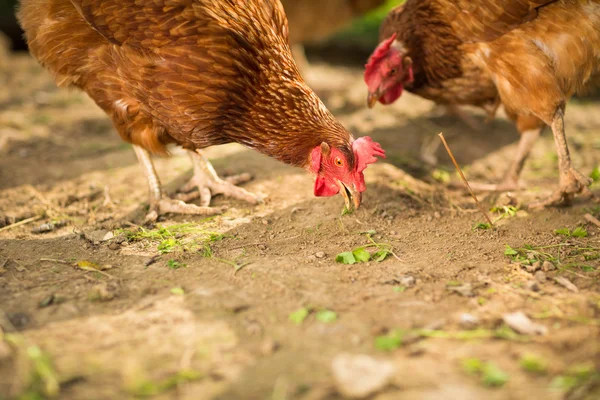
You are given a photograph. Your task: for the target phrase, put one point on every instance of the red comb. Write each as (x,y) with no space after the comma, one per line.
(380,52)
(366,152)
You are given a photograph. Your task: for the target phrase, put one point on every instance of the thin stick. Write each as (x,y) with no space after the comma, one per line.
(22,222)
(441,135)
(591,219)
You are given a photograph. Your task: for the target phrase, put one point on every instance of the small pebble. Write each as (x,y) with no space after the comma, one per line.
(269,346)
(520,323)
(359,376)
(534,286)
(407,281)
(114,246)
(534,267)
(548,266)
(469,321)
(540,277)
(320,254)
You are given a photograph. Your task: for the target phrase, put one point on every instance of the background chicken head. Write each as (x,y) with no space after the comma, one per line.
(387,71)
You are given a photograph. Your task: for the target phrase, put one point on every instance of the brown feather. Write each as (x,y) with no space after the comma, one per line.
(193,72)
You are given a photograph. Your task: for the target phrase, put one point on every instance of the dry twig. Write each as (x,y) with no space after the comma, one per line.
(592,220)
(441,135)
(22,222)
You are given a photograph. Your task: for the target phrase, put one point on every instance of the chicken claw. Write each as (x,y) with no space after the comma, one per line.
(159,203)
(571,183)
(208,183)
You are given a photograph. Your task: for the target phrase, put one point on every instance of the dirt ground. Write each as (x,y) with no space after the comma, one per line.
(252,304)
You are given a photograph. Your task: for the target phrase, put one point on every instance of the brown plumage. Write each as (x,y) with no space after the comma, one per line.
(195,73)
(530,56)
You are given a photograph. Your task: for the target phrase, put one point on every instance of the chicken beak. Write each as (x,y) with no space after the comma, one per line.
(373,98)
(352,197)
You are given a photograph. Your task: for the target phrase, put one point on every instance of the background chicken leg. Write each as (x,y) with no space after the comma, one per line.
(511,178)
(571,181)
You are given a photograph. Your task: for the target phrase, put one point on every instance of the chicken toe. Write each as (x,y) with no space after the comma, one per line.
(571,181)
(206,183)
(161,204)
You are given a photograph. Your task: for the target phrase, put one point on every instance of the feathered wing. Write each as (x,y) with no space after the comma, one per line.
(486,20)
(187,58)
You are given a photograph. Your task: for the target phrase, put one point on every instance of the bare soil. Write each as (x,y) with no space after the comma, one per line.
(98,307)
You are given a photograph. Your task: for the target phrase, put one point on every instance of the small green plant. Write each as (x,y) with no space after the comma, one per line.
(578,232)
(361,254)
(389,342)
(533,364)
(576,376)
(178,291)
(148,388)
(505,211)
(482,226)
(491,375)
(298,316)
(326,316)
(174,238)
(595,174)
(174,264)
(441,176)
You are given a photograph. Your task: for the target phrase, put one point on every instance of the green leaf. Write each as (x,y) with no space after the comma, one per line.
(595,175)
(533,364)
(400,289)
(346,258)
(167,245)
(472,366)
(579,232)
(509,251)
(381,255)
(326,316)
(173,264)
(361,254)
(388,342)
(493,376)
(178,291)
(563,231)
(482,226)
(299,316)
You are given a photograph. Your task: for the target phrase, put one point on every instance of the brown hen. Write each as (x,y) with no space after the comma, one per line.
(529,55)
(197,73)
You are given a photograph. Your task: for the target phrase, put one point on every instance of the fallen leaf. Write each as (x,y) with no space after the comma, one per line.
(520,323)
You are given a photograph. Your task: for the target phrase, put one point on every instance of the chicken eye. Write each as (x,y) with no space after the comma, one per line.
(338,161)
(393,71)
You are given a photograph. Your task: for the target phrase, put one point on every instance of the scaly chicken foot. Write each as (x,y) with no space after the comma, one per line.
(208,183)
(159,203)
(571,181)
(511,178)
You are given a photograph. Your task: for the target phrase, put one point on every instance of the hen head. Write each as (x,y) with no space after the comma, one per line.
(338,171)
(387,71)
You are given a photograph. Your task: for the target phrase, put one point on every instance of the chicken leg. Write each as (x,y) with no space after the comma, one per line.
(511,178)
(571,181)
(161,204)
(208,183)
